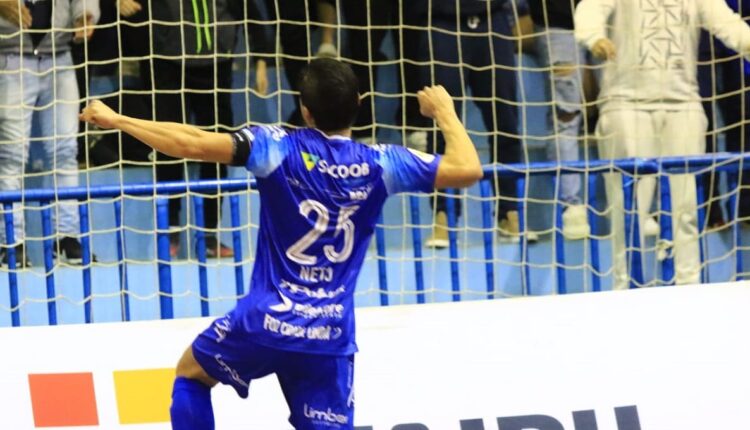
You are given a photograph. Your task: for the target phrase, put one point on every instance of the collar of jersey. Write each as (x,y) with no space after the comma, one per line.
(334,137)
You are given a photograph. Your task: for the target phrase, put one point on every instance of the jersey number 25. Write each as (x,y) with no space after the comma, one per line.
(296,252)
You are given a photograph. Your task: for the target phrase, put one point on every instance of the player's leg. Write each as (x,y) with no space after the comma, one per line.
(191,395)
(221,353)
(18,93)
(684,134)
(619,133)
(319,390)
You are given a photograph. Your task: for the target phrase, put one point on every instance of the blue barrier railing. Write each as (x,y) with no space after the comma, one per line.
(732,163)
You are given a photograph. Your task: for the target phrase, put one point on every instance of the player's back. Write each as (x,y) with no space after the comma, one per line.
(320,199)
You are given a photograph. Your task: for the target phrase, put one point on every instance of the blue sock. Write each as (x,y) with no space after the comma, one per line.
(191,405)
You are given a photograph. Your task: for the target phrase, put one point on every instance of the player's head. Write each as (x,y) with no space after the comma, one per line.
(329,94)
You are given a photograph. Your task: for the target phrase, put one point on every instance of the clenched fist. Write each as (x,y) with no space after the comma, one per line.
(100,115)
(434,100)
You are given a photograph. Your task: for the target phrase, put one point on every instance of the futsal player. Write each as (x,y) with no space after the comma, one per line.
(321,194)
(650,105)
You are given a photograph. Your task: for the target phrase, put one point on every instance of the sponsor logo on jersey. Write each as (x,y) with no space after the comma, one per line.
(328,416)
(310,160)
(222,327)
(336,171)
(283,328)
(307,311)
(319,293)
(234,374)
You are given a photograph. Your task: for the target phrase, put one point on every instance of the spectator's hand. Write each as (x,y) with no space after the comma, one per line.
(100,115)
(434,100)
(84,29)
(128,8)
(13,14)
(604,49)
(261,77)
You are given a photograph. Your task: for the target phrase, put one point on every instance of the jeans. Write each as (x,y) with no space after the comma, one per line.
(44,86)
(557,47)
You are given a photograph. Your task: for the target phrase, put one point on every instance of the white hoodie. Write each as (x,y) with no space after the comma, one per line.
(656,43)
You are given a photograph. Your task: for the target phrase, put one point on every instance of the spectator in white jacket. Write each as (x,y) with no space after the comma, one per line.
(650,106)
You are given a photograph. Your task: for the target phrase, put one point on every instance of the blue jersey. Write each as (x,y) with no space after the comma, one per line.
(320,199)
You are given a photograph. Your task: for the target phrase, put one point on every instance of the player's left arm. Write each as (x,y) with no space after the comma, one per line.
(718,18)
(173,139)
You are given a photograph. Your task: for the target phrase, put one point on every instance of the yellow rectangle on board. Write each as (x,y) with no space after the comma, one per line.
(143,396)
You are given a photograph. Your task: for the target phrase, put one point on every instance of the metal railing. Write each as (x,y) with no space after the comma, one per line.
(732,163)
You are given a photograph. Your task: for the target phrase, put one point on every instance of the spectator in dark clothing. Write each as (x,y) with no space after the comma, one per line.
(293,23)
(470,48)
(190,71)
(719,64)
(365,20)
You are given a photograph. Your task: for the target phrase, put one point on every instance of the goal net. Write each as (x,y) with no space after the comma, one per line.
(151,246)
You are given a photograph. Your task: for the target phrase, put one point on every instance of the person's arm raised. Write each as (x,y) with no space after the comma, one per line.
(460,165)
(170,138)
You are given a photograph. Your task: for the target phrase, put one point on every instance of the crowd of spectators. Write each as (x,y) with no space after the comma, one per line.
(184,54)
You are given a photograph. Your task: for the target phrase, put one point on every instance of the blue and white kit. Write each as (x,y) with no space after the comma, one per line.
(320,199)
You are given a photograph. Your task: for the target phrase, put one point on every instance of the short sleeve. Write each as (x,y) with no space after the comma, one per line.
(406,170)
(265,147)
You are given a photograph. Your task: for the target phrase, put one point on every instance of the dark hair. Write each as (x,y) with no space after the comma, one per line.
(329,90)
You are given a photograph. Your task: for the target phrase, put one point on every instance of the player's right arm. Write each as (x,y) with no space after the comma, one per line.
(173,139)
(460,165)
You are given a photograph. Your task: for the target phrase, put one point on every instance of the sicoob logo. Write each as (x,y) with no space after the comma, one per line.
(337,171)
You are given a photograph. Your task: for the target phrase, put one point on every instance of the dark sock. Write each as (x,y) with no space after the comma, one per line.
(191,405)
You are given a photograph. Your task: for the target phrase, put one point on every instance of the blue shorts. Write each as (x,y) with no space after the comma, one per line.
(319,389)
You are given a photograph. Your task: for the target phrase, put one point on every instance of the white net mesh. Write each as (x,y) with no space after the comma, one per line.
(526,92)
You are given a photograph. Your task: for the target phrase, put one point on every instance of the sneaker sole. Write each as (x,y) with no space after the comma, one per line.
(437,243)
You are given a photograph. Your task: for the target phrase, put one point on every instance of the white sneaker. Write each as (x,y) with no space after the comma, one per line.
(651,227)
(417,140)
(327,50)
(439,237)
(575,223)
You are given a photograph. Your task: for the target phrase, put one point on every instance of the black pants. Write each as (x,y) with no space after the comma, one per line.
(205,109)
(732,75)
(493,87)
(365,48)
(293,30)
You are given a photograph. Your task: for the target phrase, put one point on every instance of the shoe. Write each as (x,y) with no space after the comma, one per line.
(575,223)
(216,249)
(327,50)
(509,229)
(22,259)
(439,237)
(651,227)
(70,251)
(417,140)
